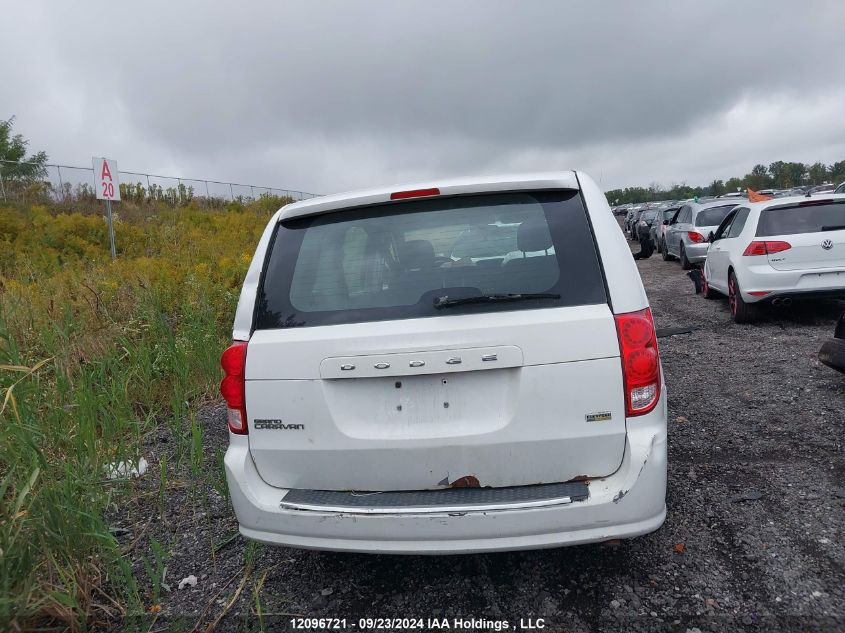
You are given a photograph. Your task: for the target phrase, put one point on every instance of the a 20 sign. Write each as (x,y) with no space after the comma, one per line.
(106,179)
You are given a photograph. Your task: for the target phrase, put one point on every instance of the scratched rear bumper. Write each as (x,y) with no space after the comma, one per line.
(628,503)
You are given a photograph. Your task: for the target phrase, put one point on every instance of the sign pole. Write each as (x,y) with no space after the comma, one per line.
(111,230)
(107,187)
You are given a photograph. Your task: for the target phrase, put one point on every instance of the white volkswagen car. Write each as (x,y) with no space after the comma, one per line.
(777,251)
(384,399)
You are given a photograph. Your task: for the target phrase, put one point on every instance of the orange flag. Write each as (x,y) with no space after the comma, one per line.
(753,196)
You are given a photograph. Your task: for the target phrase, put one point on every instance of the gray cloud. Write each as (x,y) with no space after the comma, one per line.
(332,95)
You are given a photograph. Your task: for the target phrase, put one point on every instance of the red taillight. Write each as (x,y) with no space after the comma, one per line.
(696,238)
(640,361)
(415,193)
(233,362)
(765,248)
(777,247)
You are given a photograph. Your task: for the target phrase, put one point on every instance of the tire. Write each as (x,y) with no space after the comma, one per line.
(685,263)
(706,291)
(665,252)
(832,354)
(740,311)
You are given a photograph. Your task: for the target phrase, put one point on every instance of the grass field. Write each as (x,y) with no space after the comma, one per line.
(93,356)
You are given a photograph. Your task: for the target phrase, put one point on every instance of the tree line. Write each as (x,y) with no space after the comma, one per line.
(778,175)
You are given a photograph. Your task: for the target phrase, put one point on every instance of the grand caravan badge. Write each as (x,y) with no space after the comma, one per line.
(600,416)
(277,425)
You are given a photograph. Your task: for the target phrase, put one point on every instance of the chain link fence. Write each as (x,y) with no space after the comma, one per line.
(30,181)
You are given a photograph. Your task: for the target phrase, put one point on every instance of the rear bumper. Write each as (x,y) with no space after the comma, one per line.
(628,503)
(795,284)
(696,253)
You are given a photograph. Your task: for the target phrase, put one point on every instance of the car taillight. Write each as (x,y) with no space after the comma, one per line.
(765,248)
(232,388)
(696,238)
(640,361)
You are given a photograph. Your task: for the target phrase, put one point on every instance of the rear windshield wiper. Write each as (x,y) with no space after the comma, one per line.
(446,302)
(833,227)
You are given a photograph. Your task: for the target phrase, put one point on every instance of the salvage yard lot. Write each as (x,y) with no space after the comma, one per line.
(753,537)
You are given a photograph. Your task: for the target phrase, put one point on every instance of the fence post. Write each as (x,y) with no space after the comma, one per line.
(252,191)
(231,192)
(207,195)
(2,186)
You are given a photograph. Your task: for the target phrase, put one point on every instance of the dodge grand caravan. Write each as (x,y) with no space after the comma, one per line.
(387,394)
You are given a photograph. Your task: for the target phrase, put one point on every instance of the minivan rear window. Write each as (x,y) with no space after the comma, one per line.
(713,216)
(806,218)
(397,261)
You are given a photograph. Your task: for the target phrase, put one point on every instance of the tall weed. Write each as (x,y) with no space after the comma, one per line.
(93,355)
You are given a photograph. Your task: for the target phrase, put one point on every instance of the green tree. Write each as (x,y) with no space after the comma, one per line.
(779,174)
(837,171)
(776,173)
(793,174)
(717,188)
(817,173)
(758,178)
(735,184)
(14,163)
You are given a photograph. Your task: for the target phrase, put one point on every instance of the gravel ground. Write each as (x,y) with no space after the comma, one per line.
(752,541)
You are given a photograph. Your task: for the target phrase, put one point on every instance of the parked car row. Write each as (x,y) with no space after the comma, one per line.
(640,218)
(759,253)
(629,208)
(686,234)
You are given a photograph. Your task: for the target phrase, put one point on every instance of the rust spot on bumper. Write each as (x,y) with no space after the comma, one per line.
(468,481)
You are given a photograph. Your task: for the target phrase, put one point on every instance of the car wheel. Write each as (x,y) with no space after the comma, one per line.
(706,290)
(685,263)
(665,252)
(832,354)
(742,312)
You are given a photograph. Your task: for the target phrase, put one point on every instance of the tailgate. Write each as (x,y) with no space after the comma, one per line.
(813,229)
(811,251)
(501,404)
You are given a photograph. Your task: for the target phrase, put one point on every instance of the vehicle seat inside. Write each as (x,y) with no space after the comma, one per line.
(536,272)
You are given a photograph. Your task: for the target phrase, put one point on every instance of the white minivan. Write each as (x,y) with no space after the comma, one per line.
(385,395)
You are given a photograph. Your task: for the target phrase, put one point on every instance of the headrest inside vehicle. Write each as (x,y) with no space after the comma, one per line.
(533,235)
(416,255)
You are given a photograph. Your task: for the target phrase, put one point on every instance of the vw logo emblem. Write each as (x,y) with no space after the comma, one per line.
(827,245)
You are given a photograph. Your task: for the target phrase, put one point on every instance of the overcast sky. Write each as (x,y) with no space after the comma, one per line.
(327,96)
